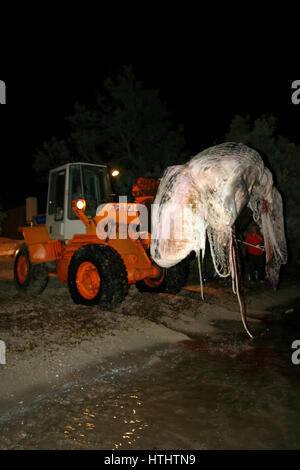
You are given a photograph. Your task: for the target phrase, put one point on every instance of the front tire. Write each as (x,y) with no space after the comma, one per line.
(170,281)
(29,278)
(97,276)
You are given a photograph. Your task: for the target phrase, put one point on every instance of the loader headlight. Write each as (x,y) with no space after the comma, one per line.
(115,173)
(81,204)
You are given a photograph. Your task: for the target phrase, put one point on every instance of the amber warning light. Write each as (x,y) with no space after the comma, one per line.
(81,204)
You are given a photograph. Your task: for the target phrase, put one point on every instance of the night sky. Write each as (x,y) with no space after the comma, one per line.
(205,75)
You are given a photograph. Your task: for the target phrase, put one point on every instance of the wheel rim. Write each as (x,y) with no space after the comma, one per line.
(155,281)
(88,280)
(22,269)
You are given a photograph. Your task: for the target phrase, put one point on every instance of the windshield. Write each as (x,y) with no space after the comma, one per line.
(89,182)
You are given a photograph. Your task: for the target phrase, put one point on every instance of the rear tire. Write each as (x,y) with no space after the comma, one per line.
(97,276)
(171,280)
(30,278)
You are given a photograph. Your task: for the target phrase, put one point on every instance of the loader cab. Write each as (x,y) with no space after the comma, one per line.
(67,183)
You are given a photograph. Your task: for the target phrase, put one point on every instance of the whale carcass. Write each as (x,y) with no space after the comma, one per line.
(204,197)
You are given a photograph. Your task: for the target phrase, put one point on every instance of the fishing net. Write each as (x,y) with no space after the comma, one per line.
(204,197)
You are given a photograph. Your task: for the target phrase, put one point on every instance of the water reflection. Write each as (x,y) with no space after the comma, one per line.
(201,402)
(93,426)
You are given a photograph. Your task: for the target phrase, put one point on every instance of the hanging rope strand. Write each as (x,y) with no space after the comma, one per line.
(199,254)
(238,281)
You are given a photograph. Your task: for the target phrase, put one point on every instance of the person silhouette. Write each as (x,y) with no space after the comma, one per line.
(255,254)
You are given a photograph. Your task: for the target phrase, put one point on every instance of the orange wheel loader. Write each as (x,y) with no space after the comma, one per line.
(96,246)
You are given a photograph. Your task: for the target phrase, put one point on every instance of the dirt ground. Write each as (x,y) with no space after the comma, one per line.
(50,340)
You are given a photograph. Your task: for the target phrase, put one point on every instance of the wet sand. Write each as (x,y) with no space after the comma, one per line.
(51,342)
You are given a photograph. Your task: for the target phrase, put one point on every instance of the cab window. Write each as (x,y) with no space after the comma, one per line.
(57,195)
(75,189)
(90,183)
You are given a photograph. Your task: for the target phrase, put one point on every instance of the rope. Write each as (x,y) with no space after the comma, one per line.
(262,248)
(199,253)
(238,280)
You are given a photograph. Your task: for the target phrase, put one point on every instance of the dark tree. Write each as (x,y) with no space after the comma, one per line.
(128,127)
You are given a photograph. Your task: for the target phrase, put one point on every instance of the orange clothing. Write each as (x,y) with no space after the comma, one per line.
(254,240)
